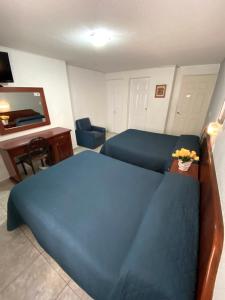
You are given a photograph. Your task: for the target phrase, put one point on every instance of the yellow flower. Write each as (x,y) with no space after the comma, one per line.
(181,152)
(185,153)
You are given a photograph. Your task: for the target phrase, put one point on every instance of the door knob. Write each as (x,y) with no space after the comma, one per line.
(178,113)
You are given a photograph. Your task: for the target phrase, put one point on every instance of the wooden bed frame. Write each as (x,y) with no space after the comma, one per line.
(211,225)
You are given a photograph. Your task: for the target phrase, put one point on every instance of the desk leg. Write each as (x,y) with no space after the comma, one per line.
(11,166)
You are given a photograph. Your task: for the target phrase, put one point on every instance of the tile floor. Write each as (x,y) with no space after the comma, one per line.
(27,272)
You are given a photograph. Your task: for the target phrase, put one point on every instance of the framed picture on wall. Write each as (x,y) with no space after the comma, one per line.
(160,91)
(221,117)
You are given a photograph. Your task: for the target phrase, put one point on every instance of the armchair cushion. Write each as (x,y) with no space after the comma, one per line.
(83,124)
(97,128)
(96,134)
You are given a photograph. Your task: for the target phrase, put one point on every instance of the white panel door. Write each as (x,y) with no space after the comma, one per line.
(193,103)
(117,101)
(139,102)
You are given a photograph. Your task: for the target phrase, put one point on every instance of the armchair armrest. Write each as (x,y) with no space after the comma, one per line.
(85,133)
(98,128)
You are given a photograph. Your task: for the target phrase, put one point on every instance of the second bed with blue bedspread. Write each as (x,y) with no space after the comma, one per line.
(147,149)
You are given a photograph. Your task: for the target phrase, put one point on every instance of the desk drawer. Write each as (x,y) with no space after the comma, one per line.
(17,151)
(62,147)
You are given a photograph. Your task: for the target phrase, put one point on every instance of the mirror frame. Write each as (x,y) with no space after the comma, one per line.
(4,131)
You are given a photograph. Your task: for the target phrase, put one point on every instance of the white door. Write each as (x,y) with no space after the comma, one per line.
(117,102)
(194,99)
(139,102)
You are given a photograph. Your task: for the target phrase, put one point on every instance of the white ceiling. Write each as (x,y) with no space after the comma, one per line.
(148,33)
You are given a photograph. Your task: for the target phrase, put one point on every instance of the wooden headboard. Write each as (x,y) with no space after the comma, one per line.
(211,225)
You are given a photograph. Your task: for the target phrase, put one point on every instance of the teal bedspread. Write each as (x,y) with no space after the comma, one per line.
(147,149)
(120,231)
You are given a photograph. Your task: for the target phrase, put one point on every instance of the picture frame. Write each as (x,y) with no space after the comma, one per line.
(160,91)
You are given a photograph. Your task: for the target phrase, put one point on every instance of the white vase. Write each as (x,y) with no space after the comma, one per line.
(184,166)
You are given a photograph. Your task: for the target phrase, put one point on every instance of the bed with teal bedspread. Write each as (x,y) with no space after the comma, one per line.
(148,149)
(120,231)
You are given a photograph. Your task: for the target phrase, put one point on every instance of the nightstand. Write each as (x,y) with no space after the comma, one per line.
(193,170)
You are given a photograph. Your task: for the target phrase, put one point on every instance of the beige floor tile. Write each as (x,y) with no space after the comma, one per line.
(75,287)
(56,267)
(28,233)
(85,296)
(78,149)
(16,254)
(4,196)
(109,135)
(79,291)
(68,294)
(3,216)
(6,185)
(39,281)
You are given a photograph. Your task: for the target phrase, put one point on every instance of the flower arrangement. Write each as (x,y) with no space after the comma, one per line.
(185,158)
(185,155)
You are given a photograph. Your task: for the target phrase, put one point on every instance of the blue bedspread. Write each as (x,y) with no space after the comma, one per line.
(104,220)
(147,149)
(162,262)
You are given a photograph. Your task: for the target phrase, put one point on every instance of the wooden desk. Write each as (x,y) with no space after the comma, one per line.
(193,170)
(60,144)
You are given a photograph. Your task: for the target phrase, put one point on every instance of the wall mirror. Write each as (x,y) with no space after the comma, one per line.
(22,108)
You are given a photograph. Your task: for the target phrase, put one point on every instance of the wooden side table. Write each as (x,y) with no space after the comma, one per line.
(193,170)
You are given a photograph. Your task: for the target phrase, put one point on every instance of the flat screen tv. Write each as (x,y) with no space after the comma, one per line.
(5,69)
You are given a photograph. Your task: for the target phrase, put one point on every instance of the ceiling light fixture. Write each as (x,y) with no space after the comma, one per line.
(100,37)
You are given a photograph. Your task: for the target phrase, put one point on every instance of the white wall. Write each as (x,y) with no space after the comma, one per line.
(88,94)
(157,113)
(31,70)
(218,96)
(180,72)
(219,159)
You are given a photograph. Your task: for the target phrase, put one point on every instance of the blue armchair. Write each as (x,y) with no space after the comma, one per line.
(89,136)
